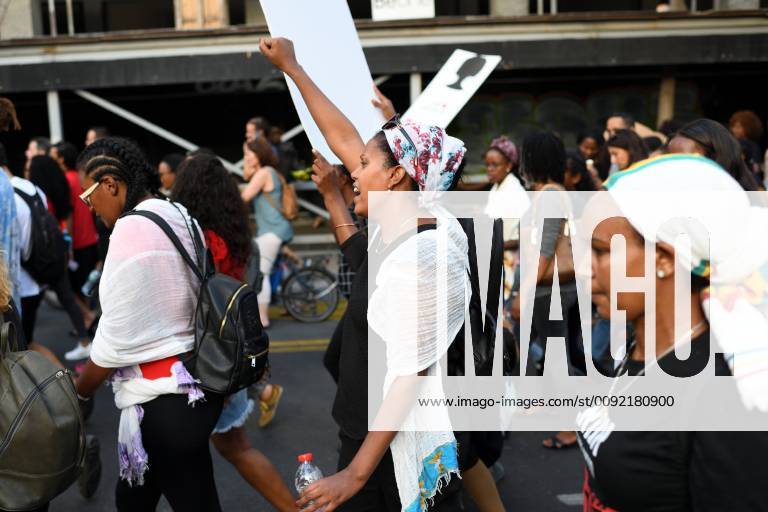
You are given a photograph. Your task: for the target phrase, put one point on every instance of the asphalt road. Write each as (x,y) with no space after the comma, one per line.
(536,479)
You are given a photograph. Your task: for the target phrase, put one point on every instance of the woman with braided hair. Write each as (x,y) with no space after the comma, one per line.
(148,297)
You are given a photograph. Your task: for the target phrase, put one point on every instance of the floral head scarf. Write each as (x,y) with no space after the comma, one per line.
(429,155)
(507,148)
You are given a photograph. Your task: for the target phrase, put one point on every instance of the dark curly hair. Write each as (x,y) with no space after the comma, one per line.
(45,172)
(122,159)
(752,124)
(8,119)
(543,158)
(211,196)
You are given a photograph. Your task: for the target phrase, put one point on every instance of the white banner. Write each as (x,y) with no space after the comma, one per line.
(329,50)
(384,10)
(456,82)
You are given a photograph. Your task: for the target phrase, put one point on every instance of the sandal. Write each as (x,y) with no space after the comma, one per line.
(269,406)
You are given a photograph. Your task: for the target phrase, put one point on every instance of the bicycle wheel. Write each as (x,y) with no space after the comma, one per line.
(310,294)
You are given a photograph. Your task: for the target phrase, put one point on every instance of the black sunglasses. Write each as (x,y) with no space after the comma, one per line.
(395,123)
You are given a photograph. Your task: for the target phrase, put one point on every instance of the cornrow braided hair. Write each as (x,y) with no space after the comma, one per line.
(122,159)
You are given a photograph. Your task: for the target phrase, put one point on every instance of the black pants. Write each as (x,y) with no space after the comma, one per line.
(379,494)
(175,436)
(86,259)
(29,306)
(67,300)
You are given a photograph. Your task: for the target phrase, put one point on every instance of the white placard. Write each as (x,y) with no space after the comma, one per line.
(327,47)
(456,82)
(384,10)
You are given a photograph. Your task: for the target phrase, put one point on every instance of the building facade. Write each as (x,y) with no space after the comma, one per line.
(176,72)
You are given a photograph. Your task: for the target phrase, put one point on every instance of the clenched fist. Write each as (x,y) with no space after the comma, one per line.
(279,51)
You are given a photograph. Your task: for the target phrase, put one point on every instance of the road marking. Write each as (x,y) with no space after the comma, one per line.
(571,500)
(291,346)
(291,350)
(292,343)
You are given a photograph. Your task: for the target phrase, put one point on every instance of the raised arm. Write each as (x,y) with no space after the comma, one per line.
(339,132)
(254,187)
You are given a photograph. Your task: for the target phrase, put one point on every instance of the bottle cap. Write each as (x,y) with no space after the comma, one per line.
(305,457)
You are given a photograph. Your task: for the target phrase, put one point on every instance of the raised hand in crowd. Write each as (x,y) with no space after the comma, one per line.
(325,175)
(383,103)
(279,51)
(337,191)
(339,132)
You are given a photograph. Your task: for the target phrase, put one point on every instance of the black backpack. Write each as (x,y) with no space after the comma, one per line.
(48,259)
(231,348)
(42,435)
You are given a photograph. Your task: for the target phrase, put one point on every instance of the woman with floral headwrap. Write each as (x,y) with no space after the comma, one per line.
(678,470)
(388,470)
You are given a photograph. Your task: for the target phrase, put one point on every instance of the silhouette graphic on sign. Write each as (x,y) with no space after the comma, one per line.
(471,67)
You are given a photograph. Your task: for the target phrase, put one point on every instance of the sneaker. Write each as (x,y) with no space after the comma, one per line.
(269,406)
(78,353)
(90,476)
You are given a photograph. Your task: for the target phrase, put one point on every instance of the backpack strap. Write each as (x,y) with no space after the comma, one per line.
(171,234)
(28,198)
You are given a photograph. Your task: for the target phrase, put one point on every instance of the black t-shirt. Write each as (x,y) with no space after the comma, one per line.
(678,471)
(347,355)
(350,341)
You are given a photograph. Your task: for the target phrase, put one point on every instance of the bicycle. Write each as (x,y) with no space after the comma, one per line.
(309,293)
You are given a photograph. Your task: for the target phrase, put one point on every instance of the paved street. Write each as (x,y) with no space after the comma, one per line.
(536,479)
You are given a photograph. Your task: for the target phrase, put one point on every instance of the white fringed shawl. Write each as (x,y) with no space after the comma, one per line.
(419,304)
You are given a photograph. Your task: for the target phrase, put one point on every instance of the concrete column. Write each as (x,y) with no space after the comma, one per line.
(416,86)
(22,19)
(509,8)
(55,130)
(666,100)
(737,5)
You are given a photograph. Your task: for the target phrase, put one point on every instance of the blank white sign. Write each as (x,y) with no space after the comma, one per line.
(456,82)
(328,49)
(384,10)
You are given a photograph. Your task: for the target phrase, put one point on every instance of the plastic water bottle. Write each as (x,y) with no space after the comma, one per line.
(90,284)
(307,473)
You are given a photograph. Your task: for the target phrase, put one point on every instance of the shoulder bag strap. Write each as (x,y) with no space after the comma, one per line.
(162,224)
(8,341)
(270,199)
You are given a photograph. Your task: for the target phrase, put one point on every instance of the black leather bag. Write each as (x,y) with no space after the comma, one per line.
(231,348)
(482,327)
(42,435)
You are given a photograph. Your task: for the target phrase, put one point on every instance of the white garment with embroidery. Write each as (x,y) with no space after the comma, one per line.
(419,304)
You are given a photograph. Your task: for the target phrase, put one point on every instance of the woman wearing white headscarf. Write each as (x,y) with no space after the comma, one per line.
(685,471)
